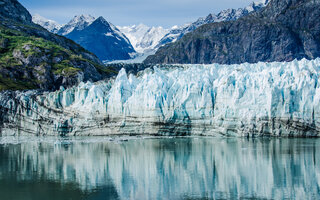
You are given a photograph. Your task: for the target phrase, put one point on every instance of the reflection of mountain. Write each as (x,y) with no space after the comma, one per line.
(175,168)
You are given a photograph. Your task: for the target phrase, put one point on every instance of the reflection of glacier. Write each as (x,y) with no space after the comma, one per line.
(177,168)
(260,99)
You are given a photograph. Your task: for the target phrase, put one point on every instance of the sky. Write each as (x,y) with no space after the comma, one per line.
(165,13)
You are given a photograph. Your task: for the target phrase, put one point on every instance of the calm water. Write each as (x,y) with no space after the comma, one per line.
(159,168)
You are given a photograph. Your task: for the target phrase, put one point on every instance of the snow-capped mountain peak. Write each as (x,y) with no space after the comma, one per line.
(79,22)
(103,39)
(135,33)
(48,24)
(142,37)
(80,19)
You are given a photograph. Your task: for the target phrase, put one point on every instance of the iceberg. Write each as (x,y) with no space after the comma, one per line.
(262,99)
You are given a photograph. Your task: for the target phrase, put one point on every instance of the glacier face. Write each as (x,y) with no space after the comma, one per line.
(278,99)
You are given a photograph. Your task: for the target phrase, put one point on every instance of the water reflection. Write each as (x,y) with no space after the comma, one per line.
(176,168)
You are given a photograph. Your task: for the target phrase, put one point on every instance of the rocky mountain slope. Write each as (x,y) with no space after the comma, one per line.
(31,57)
(282,31)
(103,39)
(177,33)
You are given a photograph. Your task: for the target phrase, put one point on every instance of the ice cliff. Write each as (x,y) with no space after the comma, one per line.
(279,99)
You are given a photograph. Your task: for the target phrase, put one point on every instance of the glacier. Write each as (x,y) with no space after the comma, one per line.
(262,99)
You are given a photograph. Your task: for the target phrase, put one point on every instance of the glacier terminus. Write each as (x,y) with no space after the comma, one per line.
(262,99)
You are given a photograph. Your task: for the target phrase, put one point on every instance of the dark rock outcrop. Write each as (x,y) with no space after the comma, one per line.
(14,10)
(283,31)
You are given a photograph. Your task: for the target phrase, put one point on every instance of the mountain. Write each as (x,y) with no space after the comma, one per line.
(48,24)
(12,9)
(142,37)
(226,15)
(103,39)
(32,57)
(95,35)
(145,40)
(79,22)
(282,31)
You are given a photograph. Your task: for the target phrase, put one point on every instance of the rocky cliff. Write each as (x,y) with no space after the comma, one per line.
(282,31)
(31,57)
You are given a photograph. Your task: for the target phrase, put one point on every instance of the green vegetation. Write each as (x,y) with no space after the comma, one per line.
(65,69)
(106,70)
(27,57)
(9,84)
(29,45)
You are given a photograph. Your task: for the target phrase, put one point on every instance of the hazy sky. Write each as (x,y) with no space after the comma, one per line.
(164,13)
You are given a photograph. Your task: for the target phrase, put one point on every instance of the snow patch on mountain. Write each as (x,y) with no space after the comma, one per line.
(48,24)
(79,22)
(142,37)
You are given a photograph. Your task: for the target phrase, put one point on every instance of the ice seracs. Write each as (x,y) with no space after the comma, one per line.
(277,99)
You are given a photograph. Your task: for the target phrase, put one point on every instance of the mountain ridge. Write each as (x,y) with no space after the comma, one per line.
(78,22)
(225,15)
(147,40)
(282,31)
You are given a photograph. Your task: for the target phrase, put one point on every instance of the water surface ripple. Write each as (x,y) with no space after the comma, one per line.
(159,168)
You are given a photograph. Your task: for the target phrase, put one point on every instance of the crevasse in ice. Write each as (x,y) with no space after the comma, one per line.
(280,98)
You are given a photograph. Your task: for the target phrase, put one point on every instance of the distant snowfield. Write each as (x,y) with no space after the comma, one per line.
(48,24)
(278,99)
(136,58)
(142,37)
